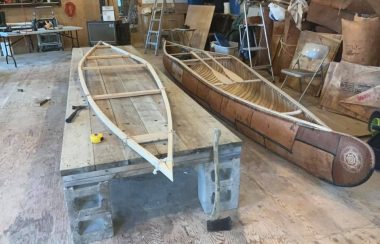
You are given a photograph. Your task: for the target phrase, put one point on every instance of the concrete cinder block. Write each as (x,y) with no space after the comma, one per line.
(89,212)
(229,185)
(88,200)
(92,228)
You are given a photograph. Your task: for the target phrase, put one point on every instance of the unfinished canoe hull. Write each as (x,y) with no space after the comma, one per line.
(334,157)
(131,96)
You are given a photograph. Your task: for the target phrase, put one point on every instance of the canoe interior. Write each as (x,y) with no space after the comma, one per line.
(254,90)
(133,115)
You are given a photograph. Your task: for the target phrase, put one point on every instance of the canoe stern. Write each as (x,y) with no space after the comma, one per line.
(354,162)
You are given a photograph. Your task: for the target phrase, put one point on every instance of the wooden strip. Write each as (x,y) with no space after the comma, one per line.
(206,59)
(248,81)
(126,66)
(103,46)
(152,137)
(298,111)
(107,57)
(127,94)
(179,54)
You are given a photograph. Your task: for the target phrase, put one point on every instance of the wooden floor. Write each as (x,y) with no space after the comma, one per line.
(279,202)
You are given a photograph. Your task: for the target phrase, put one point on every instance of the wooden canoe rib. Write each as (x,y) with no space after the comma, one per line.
(269,116)
(164,165)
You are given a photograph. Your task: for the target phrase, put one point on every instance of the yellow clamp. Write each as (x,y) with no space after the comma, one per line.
(96,138)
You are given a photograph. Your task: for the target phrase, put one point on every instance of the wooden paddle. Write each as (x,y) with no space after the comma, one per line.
(222,78)
(228,72)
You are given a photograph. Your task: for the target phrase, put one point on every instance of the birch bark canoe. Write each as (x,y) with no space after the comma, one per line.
(263,112)
(165,165)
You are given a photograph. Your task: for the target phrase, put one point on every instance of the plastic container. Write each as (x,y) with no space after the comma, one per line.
(231,50)
(195,2)
(234,7)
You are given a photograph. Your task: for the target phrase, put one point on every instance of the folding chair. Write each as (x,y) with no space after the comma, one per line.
(312,51)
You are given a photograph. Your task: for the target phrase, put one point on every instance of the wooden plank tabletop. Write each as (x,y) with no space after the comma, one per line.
(39,31)
(192,124)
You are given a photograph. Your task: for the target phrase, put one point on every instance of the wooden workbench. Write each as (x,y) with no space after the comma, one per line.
(84,163)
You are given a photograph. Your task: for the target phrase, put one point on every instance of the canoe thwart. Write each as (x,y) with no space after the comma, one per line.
(121,66)
(127,94)
(151,137)
(107,57)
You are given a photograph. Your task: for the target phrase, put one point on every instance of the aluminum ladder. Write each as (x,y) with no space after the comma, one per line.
(153,36)
(245,37)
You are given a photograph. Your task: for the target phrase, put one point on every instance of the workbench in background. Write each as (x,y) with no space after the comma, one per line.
(7,43)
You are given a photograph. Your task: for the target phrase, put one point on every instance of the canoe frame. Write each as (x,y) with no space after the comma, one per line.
(164,165)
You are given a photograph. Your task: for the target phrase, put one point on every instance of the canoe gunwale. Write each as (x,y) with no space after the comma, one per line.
(164,165)
(320,126)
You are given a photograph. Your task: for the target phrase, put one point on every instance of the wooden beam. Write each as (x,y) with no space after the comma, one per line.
(123,66)
(152,137)
(126,94)
(107,57)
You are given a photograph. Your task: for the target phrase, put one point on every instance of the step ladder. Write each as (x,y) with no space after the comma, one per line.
(245,42)
(153,36)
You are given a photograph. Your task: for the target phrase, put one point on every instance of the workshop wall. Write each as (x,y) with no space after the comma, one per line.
(86,10)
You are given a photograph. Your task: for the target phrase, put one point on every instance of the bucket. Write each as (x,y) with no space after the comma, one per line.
(195,2)
(234,7)
(231,50)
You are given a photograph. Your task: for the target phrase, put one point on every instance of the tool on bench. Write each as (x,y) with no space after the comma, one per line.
(216,223)
(96,138)
(72,116)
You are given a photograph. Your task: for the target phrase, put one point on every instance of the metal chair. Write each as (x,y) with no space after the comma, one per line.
(312,51)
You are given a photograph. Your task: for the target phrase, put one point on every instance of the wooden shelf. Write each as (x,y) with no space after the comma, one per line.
(16,5)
